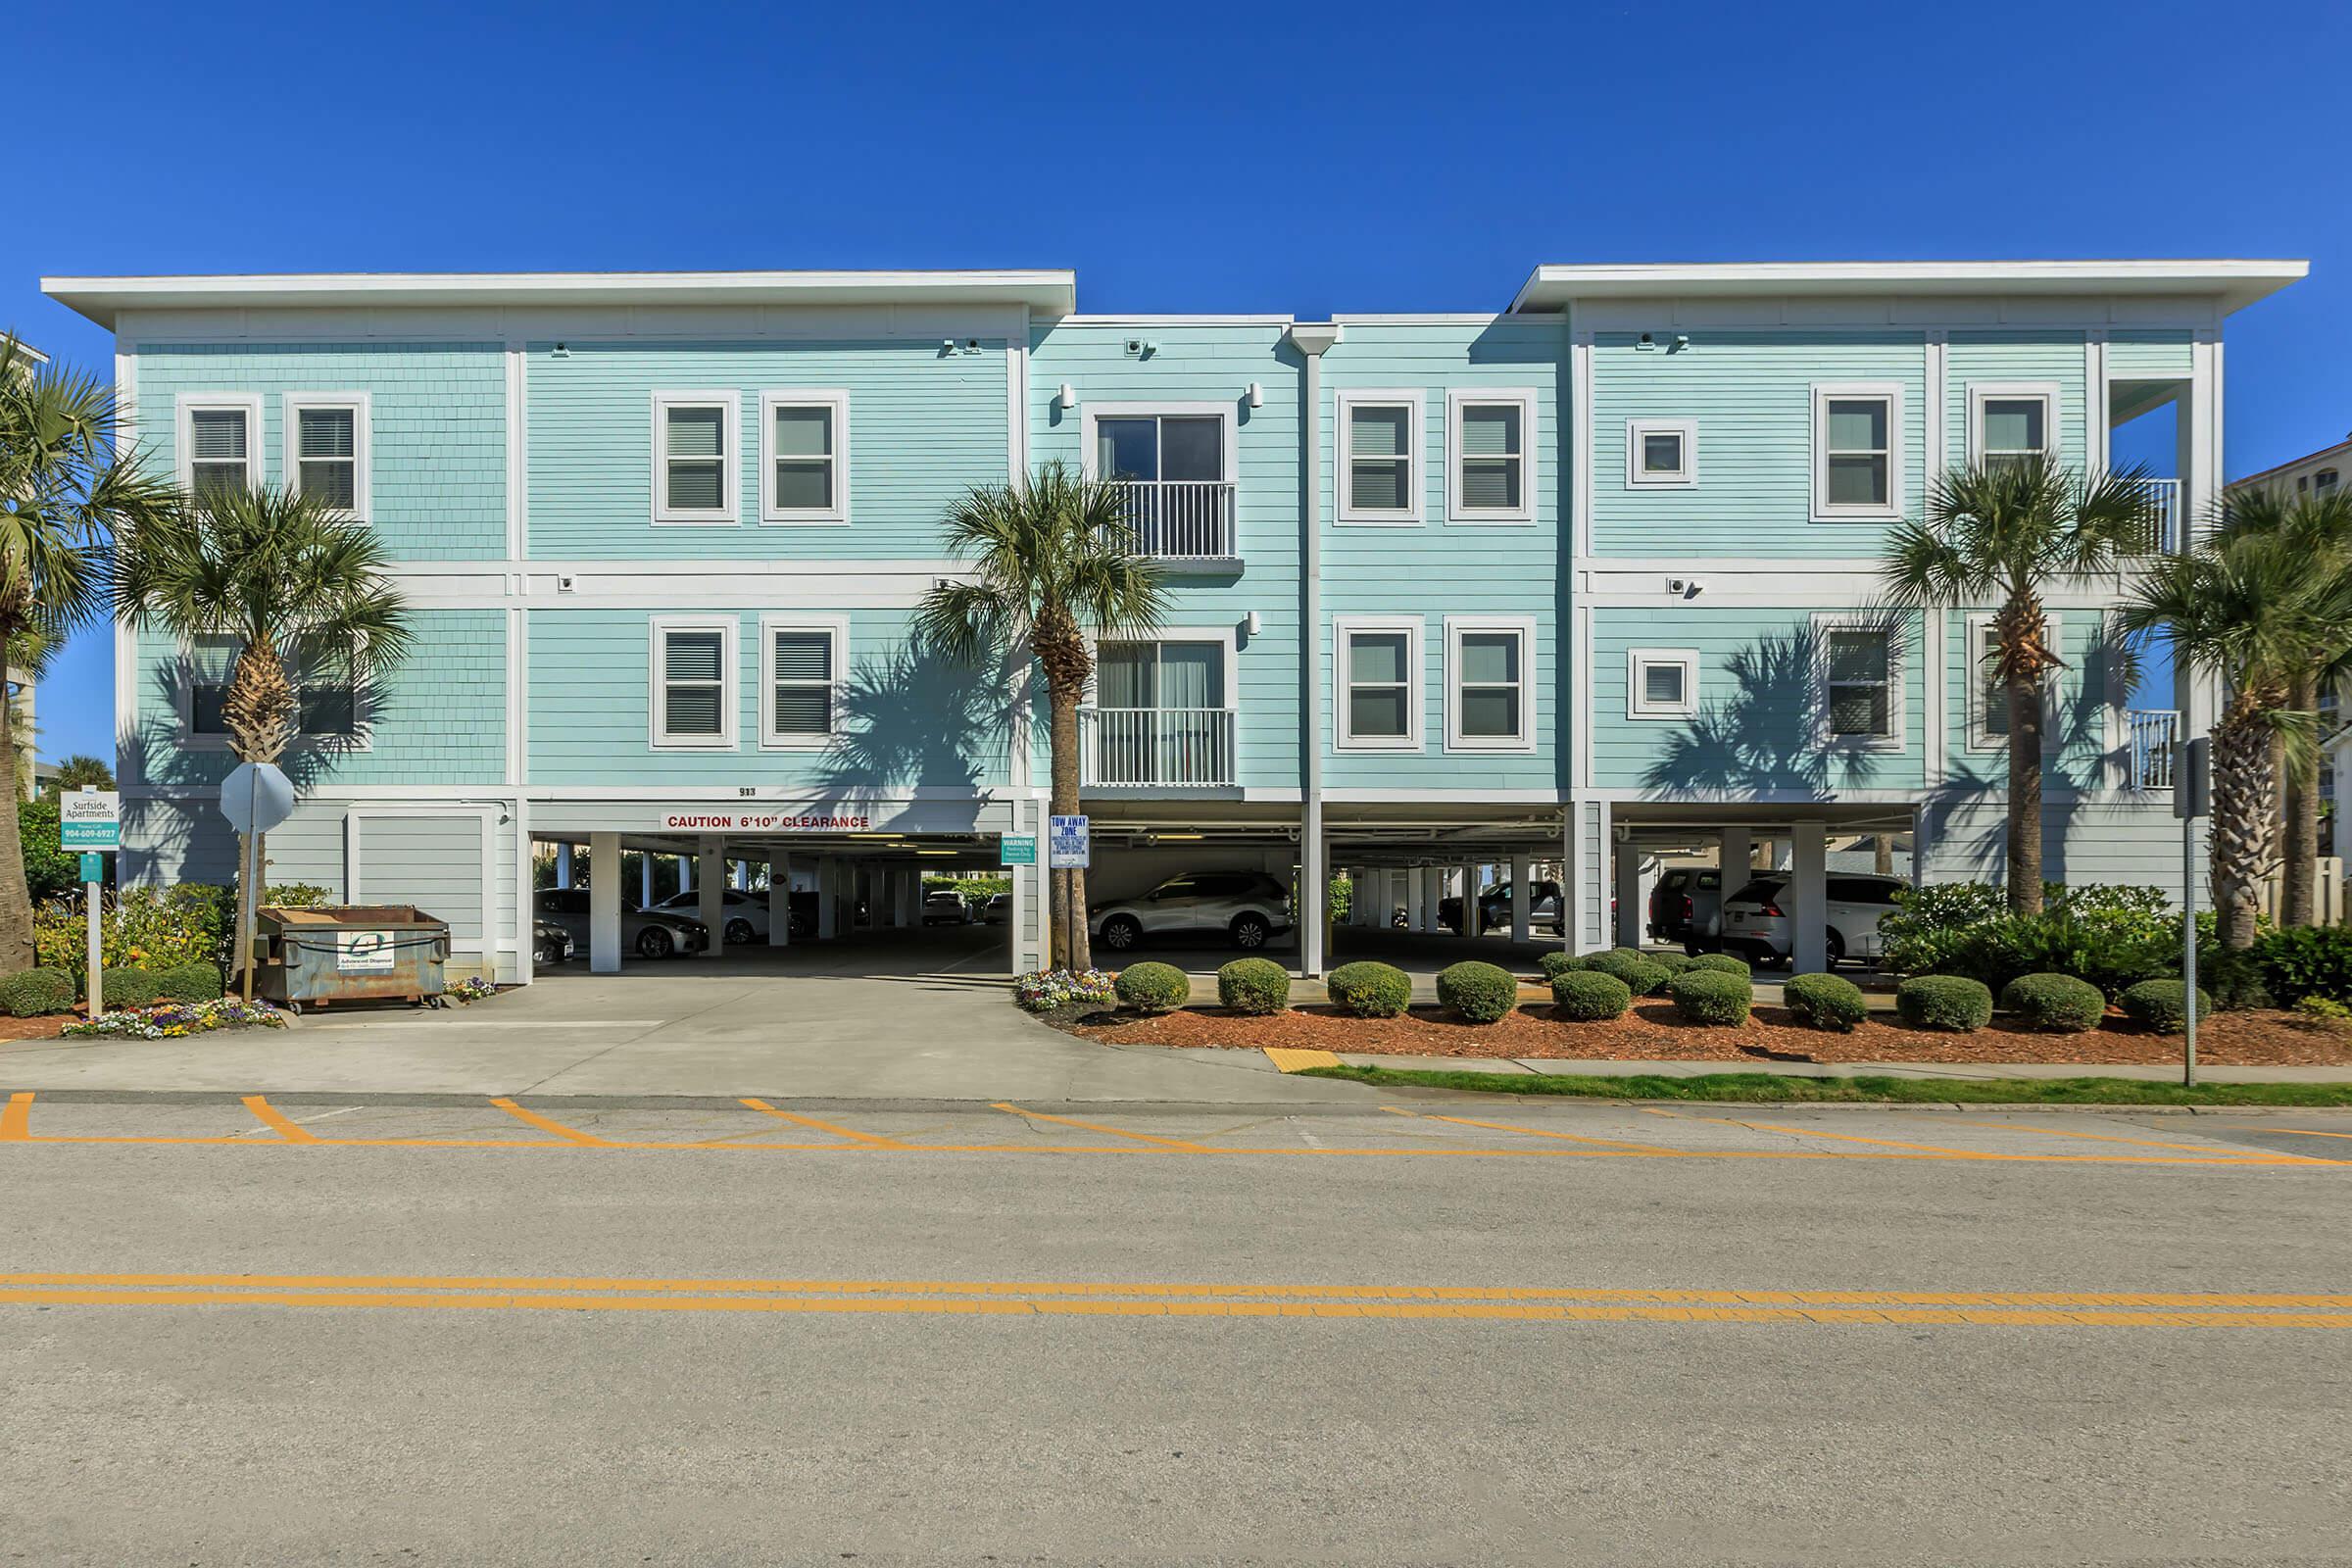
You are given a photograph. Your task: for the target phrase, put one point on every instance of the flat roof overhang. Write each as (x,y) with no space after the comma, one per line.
(2237,284)
(1047,291)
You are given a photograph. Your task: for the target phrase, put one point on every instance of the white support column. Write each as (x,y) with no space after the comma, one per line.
(711,906)
(1469,905)
(1738,853)
(742,876)
(1416,894)
(563,865)
(1313,922)
(826,889)
(603,903)
(1808,897)
(645,881)
(1523,897)
(1628,896)
(1920,848)
(779,900)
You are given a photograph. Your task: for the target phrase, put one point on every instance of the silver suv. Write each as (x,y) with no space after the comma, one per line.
(1244,906)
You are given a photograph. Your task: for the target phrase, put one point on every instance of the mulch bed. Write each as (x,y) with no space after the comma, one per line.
(1654,1032)
(33,1028)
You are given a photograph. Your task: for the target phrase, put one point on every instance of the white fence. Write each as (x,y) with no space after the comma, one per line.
(1127,747)
(1181,519)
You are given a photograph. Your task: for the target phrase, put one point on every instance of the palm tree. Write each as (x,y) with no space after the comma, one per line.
(2005,534)
(2244,607)
(2323,526)
(64,488)
(82,769)
(1053,566)
(288,579)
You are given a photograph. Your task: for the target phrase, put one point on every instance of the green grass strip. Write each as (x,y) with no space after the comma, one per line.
(1784,1088)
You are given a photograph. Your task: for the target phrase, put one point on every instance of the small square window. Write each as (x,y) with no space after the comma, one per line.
(1661,453)
(1661,683)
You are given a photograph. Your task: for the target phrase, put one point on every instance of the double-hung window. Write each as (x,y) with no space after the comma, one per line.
(1857,451)
(693,695)
(220,444)
(1858,663)
(2010,424)
(1490,691)
(1379,675)
(327,449)
(1661,682)
(695,456)
(800,674)
(1491,465)
(1661,454)
(805,469)
(1988,692)
(326,694)
(1380,457)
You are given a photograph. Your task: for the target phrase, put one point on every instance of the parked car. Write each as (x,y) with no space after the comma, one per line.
(946,906)
(744,916)
(1246,908)
(1687,898)
(550,942)
(998,911)
(647,933)
(1494,909)
(1757,917)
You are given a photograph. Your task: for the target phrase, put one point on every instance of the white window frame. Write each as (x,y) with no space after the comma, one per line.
(362,409)
(362,716)
(1092,413)
(248,403)
(1416,699)
(1898,738)
(1979,629)
(730,463)
(836,402)
(1824,393)
(837,628)
(1412,401)
(1530,443)
(1637,700)
(658,631)
(1981,393)
(1456,627)
(1639,479)
(1225,637)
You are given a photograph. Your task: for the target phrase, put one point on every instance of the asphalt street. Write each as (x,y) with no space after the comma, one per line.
(1442,1330)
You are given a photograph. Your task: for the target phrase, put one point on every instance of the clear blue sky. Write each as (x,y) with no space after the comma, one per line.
(1261,159)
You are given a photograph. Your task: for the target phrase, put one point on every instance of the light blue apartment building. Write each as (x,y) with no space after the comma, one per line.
(1571,583)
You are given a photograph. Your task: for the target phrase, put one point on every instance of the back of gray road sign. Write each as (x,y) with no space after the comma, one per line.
(256,797)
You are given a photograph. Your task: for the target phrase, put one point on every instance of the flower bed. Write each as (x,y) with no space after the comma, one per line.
(173,1020)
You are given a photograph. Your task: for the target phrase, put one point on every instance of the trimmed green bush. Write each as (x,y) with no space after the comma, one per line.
(1947,1001)
(2058,1004)
(1258,987)
(128,987)
(188,982)
(1557,963)
(37,992)
(1721,964)
(1588,995)
(1480,991)
(1826,1001)
(1673,963)
(1152,987)
(1710,996)
(1370,990)
(2163,1006)
(1640,975)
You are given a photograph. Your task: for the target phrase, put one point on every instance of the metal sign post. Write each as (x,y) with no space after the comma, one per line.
(2192,797)
(255,798)
(90,819)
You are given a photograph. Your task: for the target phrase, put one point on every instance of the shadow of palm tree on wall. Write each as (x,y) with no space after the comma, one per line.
(911,719)
(1764,739)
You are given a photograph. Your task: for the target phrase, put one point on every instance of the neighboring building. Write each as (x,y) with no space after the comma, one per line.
(2319,473)
(1572,581)
(30,773)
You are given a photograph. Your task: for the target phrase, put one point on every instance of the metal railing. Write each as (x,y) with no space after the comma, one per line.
(1127,747)
(2152,732)
(2164,501)
(1181,519)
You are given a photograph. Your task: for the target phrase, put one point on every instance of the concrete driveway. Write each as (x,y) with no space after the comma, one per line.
(890,1014)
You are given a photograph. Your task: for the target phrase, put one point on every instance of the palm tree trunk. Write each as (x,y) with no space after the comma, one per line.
(2296,903)
(1068,897)
(2243,823)
(2025,794)
(16,897)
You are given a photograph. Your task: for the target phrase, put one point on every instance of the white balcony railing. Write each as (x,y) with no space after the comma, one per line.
(1181,519)
(2164,501)
(1122,748)
(2152,732)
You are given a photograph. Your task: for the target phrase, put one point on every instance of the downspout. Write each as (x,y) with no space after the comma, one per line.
(1311,339)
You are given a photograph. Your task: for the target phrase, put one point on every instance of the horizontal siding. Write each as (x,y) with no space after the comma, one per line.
(2085,844)
(2076,748)
(2150,352)
(909,720)
(1751,395)
(434,862)
(923,427)
(1975,358)
(437,427)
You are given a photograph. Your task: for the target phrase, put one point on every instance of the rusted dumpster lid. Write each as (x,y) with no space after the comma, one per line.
(328,915)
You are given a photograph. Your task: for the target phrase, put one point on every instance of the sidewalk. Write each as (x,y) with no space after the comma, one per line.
(2146,1072)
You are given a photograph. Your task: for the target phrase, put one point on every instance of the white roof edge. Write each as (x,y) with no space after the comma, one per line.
(22,347)
(2259,474)
(1051,291)
(2239,282)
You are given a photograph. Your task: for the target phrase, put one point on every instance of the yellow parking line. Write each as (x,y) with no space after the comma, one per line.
(2299,1132)
(1533,1132)
(1946,1152)
(851,1133)
(16,1123)
(570,1135)
(1292,1059)
(2110,1138)
(271,1117)
(1011,1110)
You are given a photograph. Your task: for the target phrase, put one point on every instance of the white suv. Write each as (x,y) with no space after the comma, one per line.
(1244,906)
(1755,919)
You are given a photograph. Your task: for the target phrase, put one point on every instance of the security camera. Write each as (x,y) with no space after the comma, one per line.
(1135,348)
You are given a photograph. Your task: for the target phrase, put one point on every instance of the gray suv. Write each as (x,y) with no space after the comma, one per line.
(1245,908)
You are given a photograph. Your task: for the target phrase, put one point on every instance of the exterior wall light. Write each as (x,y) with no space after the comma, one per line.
(1257,396)
(1067,397)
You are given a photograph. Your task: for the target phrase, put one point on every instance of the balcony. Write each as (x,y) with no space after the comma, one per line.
(1182,521)
(2152,732)
(2163,500)
(1135,747)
